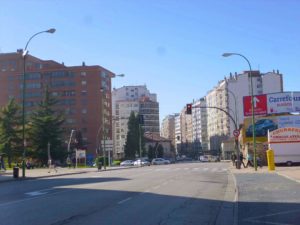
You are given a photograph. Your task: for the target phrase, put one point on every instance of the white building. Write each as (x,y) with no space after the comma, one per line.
(139,100)
(168,128)
(177,133)
(199,121)
(228,95)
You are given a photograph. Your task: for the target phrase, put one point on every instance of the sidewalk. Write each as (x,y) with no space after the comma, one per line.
(292,173)
(43,172)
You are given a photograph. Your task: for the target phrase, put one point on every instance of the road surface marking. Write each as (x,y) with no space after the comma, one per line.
(256,219)
(125,200)
(36,193)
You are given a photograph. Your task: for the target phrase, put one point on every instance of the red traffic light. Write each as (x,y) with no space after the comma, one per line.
(188,108)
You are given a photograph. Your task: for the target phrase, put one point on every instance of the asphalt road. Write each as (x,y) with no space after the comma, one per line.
(268,199)
(187,193)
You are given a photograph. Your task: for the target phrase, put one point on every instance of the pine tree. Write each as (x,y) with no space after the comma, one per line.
(46,127)
(132,140)
(132,146)
(10,131)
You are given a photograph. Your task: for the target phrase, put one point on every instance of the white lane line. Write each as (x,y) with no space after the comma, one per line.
(124,200)
(36,193)
(186,168)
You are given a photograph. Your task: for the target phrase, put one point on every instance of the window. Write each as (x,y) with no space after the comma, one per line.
(83,93)
(33,76)
(83,74)
(84,111)
(31,85)
(83,82)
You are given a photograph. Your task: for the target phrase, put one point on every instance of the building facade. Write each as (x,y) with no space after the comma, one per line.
(228,95)
(199,121)
(168,128)
(139,100)
(77,89)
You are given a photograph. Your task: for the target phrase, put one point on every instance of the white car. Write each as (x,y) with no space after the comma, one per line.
(143,162)
(204,158)
(127,163)
(160,161)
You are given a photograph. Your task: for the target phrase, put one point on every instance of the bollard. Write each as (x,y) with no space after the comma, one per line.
(271,159)
(16,172)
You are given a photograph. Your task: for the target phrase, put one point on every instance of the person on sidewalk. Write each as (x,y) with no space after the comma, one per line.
(69,162)
(233,158)
(242,160)
(51,166)
(2,164)
(249,160)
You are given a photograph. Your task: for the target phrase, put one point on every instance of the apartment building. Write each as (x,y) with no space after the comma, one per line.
(199,122)
(139,100)
(168,128)
(177,133)
(77,89)
(228,95)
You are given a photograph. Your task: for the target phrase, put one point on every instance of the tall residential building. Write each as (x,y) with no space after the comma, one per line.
(199,121)
(77,89)
(139,100)
(228,94)
(168,128)
(177,133)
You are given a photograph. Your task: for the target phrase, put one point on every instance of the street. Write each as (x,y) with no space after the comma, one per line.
(185,193)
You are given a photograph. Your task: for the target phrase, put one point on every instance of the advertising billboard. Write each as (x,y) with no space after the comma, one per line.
(284,102)
(263,124)
(260,105)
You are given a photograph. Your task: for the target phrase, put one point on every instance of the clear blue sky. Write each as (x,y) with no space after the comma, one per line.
(172,46)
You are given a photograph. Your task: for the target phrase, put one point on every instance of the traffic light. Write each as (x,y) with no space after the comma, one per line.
(189,109)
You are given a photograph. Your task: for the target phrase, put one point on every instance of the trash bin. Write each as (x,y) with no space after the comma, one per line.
(16,172)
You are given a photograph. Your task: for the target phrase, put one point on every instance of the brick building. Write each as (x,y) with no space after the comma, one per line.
(83,93)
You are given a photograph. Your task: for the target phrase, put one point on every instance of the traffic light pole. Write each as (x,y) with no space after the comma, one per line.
(189,107)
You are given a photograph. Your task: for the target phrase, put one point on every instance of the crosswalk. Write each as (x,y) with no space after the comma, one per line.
(190,169)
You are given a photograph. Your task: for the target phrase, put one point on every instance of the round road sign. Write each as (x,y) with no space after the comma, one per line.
(236,133)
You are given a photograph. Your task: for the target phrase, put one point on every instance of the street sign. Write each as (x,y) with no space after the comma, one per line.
(236,133)
(260,105)
(107,142)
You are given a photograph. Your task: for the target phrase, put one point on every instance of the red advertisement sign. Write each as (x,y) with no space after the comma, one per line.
(260,105)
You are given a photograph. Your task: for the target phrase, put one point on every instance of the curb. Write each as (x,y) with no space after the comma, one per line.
(62,174)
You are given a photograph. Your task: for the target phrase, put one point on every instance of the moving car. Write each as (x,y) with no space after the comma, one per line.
(160,161)
(127,163)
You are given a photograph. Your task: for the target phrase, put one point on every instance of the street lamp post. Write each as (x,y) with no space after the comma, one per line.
(252,105)
(51,31)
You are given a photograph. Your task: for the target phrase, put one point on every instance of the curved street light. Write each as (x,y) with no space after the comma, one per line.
(252,105)
(51,31)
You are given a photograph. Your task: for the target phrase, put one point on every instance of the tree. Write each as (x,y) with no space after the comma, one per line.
(132,146)
(45,127)
(151,153)
(10,133)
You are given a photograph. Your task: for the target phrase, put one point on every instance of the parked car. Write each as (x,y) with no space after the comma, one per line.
(261,128)
(143,162)
(127,163)
(204,158)
(160,161)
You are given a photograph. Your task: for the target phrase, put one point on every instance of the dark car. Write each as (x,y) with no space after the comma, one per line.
(261,127)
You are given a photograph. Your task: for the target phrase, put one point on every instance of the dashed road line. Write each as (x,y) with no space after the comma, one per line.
(124,200)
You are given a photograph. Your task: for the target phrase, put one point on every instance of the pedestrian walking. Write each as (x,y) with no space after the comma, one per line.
(2,164)
(51,166)
(69,162)
(242,160)
(233,158)
(249,160)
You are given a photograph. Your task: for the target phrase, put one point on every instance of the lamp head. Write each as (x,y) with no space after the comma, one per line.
(51,31)
(227,54)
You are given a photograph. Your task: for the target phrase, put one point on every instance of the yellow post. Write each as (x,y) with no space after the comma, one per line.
(271,160)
